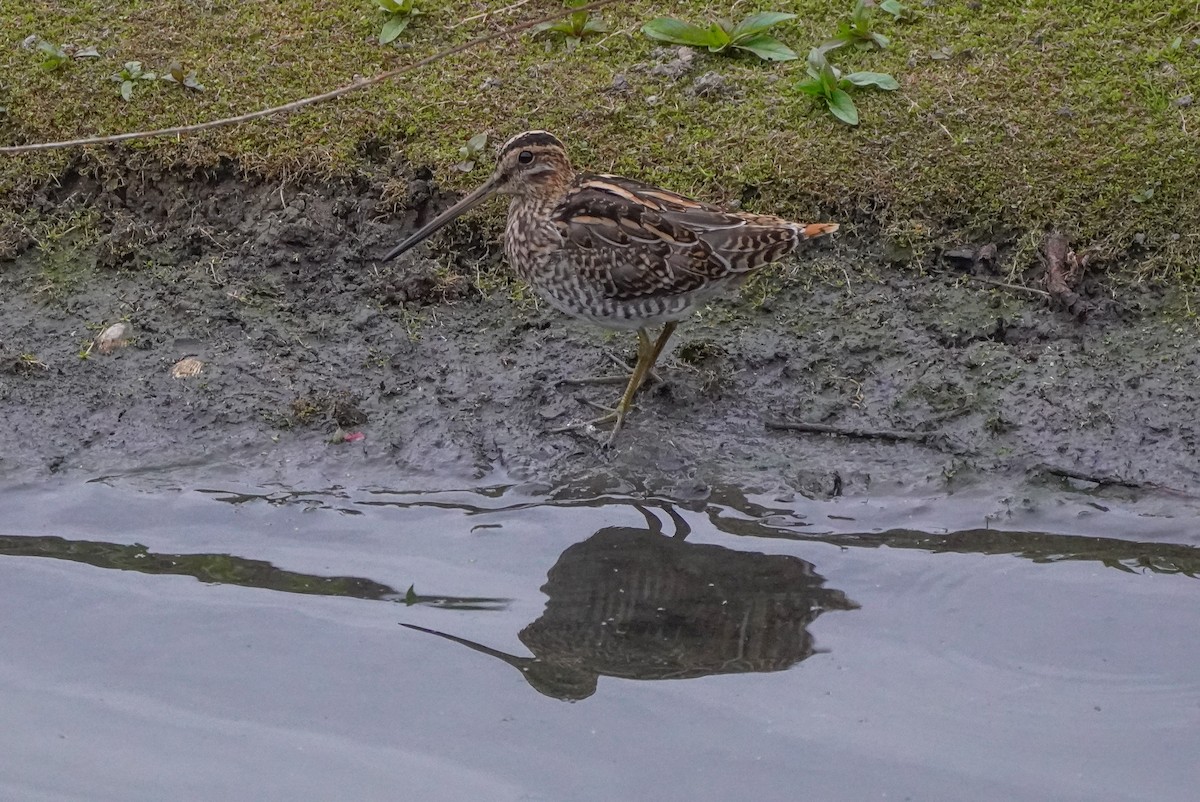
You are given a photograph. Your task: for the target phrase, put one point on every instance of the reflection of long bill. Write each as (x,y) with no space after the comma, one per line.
(464,205)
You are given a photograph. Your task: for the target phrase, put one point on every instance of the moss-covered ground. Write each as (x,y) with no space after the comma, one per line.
(1013,116)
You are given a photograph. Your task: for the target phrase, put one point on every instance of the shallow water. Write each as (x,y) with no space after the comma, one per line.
(519,643)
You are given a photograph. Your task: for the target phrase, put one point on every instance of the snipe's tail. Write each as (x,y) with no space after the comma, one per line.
(813,230)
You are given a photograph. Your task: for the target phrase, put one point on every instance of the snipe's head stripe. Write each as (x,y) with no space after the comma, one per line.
(531,139)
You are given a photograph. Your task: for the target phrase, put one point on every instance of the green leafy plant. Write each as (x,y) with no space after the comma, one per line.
(1144,195)
(856,30)
(826,84)
(131,72)
(176,75)
(722,36)
(899,11)
(28,362)
(470,152)
(53,57)
(574,27)
(397,15)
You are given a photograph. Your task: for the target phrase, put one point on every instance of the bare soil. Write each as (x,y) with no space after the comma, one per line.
(305,337)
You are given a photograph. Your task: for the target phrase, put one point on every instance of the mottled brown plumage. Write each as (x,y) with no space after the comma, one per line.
(618,252)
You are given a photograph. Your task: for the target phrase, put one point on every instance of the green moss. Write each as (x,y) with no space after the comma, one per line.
(1044,114)
(61,243)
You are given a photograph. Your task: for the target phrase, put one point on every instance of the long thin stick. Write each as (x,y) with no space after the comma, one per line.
(863,434)
(938,441)
(487,14)
(361,83)
(1104,479)
(1013,287)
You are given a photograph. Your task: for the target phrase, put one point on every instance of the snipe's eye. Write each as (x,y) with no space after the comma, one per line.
(525,157)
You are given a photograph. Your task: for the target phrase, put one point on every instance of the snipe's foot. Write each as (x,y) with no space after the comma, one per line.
(614,416)
(648,353)
(587,424)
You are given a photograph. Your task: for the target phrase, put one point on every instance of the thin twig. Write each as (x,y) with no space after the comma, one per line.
(1108,480)
(486,14)
(861,434)
(361,83)
(936,440)
(1100,479)
(1014,287)
(914,106)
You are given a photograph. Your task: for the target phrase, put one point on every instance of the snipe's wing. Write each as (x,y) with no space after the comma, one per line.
(643,241)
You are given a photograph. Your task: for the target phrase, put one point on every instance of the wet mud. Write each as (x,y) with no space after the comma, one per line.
(316,357)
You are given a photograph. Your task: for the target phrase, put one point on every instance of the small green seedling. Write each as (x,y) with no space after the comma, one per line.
(132,71)
(1145,195)
(574,27)
(176,75)
(826,84)
(397,15)
(470,152)
(53,57)
(856,30)
(722,36)
(28,362)
(899,11)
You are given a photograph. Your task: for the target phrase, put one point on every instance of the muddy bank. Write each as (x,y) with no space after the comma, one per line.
(446,368)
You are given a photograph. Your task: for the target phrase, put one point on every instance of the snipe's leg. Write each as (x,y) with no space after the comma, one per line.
(648,353)
(617,414)
(647,356)
(643,342)
(667,330)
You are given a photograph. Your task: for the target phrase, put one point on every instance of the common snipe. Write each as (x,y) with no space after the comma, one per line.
(617,252)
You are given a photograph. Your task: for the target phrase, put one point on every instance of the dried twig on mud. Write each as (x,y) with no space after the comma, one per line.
(1107,480)
(1064,268)
(862,434)
(1013,287)
(936,440)
(361,83)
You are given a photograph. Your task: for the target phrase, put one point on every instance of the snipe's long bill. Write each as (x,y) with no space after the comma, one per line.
(618,252)
(465,205)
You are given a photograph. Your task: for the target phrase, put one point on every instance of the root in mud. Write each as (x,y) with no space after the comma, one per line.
(1064,269)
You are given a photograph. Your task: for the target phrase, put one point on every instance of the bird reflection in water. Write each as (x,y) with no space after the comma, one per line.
(638,604)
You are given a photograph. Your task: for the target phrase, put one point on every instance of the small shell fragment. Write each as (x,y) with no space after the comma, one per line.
(115,336)
(187,367)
